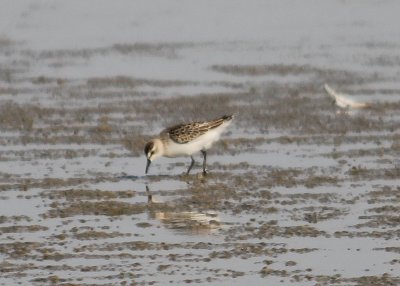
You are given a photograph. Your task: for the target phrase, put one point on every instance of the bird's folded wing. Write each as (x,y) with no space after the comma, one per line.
(185,133)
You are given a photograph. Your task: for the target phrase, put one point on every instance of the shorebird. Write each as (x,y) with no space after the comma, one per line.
(186,139)
(343,100)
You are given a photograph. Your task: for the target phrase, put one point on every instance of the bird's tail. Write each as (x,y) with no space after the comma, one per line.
(217,122)
(227,117)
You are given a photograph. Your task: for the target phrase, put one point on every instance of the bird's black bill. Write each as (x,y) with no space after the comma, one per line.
(147,165)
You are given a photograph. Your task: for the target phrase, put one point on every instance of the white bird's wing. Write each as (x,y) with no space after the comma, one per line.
(343,100)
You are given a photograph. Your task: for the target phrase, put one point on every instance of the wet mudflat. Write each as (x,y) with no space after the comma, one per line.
(299,191)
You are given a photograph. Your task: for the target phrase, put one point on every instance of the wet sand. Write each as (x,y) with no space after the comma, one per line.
(299,191)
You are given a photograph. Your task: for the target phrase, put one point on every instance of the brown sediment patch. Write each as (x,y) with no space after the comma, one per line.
(10,219)
(337,279)
(387,234)
(94,235)
(143,224)
(362,173)
(307,197)
(279,69)
(314,180)
(15,116)
(22,228)
(51,183)
(82,194)
(132,245)
(389,249)
(384,279)
(128,82)
(166,50)
(339,76)
(107,208)
(54,279)
(385,209)
(254,177)
(381,151)
(44,80)
(250,144)
(18,249)
(270,229)
(379,221)
(318,213)
(267,271)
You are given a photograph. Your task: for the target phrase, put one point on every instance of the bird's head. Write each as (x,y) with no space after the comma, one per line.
(152,150)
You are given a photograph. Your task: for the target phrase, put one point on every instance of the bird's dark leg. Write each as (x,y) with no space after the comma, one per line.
(149,195)
(191,165)
(204,161)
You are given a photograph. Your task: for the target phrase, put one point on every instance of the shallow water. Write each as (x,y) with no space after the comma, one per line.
(298,191)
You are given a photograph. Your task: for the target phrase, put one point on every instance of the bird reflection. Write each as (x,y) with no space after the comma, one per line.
(187,222)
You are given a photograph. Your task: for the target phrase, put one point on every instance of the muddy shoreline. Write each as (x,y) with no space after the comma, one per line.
(300,191)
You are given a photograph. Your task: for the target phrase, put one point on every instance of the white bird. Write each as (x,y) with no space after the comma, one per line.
(186,139)
(343,101)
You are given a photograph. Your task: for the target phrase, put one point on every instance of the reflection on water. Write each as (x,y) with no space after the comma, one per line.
(185,222)
(188,222)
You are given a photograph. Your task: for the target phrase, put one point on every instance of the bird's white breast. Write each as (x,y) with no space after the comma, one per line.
(203,142)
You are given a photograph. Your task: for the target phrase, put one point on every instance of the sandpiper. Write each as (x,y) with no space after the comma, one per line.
(186,139)
(344,101)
